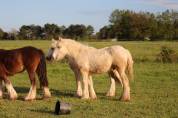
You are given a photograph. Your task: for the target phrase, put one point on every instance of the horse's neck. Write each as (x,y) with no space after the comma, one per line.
(73,51)
(74,48)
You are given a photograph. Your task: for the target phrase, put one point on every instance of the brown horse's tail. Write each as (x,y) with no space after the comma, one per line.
(41,71)
(130,67)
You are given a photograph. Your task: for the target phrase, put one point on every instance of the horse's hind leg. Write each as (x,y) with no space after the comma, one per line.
(32,92)
(117,77)
(91,89)
(112,88)
(11,91)
(126,87)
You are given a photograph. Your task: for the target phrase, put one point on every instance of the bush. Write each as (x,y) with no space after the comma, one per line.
(167,55)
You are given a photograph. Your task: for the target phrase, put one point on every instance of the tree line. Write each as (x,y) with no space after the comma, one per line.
(123,25)
(32,32)
(130,25)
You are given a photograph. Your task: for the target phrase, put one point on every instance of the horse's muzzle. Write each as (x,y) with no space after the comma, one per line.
(49,58)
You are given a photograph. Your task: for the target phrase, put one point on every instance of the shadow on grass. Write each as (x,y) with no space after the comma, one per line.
(56,93)
(46,111)
(24,91)
(43,111)
(67,93)
(103,96)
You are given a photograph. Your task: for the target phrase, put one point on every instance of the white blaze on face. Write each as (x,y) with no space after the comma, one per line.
(51,50)
(55,54)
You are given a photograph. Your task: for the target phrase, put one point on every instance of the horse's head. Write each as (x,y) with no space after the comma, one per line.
(57,50)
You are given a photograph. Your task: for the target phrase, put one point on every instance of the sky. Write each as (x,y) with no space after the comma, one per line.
(15,13)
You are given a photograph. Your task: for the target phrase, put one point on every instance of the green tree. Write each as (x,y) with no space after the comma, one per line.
(76,31)
(90,31)
(130,25)
(1,33)
(106,32)
(51,30)
(25,32)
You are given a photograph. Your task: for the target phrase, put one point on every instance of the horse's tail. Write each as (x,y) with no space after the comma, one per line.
(130,66)
(41,71)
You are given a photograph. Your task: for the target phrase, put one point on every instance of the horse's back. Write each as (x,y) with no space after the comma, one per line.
(31,49)
(31,55)
(120,54)
(118,50)
(16,60)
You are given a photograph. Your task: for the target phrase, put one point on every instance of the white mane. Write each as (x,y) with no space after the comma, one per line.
(76,48)
(74,43)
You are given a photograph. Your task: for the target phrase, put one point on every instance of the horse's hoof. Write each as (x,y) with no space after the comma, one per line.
(1,94)
(29,99)
(110,95)
(85,98)
(126,99)
(47,93)
(77,95)
(46,97)
(13,97)
(94,98)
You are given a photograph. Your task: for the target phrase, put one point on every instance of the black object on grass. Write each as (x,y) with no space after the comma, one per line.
(62,108)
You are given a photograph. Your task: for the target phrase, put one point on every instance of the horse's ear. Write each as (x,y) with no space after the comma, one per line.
(53,40)
(60,38)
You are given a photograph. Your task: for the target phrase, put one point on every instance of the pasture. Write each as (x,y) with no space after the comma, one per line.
(154,91)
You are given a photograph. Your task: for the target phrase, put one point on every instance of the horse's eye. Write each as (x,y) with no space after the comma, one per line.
(52,48)
(58,47)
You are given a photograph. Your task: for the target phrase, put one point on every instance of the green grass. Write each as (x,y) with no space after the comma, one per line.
(154,91)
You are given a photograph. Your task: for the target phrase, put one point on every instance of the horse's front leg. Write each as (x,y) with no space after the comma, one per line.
(11,91)
(79,84)
(1,88)
(32,92)
(91,88)
(79,88)
(85,94)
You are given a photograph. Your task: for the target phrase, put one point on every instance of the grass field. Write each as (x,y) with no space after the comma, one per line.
(154,91)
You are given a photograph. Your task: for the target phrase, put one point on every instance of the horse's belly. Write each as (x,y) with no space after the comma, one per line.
(100,68)
(100,64)
(14,68)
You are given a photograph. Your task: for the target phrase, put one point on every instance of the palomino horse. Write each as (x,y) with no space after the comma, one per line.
(17,60)
(85,61)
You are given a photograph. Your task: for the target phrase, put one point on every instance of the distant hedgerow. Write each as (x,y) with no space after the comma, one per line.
(167,55)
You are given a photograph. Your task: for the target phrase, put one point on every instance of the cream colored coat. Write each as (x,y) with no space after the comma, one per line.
(85,61)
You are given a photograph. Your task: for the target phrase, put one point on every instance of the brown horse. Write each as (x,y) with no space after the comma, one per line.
(16,61)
